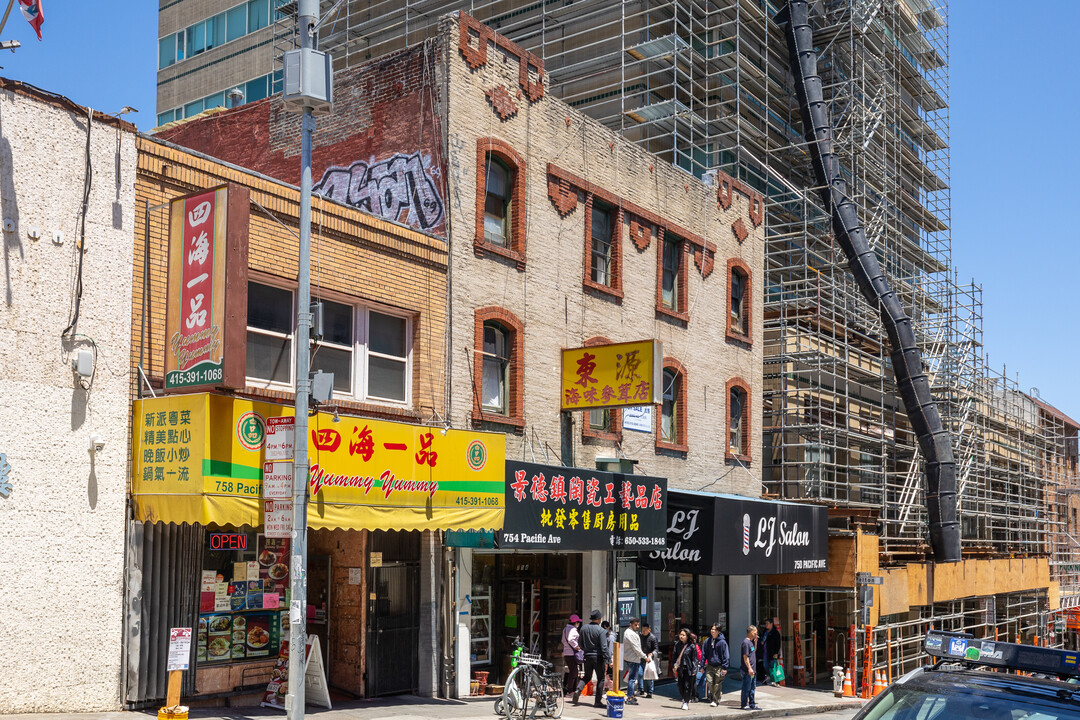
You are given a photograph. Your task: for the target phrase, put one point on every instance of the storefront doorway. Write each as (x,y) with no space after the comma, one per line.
(532,595)
(393,614)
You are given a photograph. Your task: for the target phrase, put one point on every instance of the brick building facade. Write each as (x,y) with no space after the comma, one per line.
(561,234)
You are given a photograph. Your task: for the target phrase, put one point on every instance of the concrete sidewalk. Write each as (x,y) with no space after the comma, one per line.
(774,702)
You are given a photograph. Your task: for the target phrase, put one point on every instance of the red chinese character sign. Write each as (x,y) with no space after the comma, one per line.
(206,315)
(618,375)
(560,508)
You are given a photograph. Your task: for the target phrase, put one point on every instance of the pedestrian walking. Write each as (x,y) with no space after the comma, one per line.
(772,646)
(651,649)
(609,638)
(685,664)
(748,653)
(716,655)
(593,640)
(572,653)
(632,656)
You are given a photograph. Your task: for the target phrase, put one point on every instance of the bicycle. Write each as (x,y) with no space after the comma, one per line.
(533,681)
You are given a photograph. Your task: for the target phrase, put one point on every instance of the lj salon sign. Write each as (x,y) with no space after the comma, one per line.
(726,535)
(206,316)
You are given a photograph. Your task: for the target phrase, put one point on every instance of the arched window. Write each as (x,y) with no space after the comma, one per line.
(498,184)
(739,298)
(670,422)
(500,201)
(738,420)
(495,386)
(498,370)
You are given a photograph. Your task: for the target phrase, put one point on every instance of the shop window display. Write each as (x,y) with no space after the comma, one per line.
(244,597)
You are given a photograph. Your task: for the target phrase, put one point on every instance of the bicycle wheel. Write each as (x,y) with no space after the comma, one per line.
(515,695)
(554,700)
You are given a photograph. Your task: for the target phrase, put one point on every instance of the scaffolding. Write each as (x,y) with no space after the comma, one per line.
(705,84)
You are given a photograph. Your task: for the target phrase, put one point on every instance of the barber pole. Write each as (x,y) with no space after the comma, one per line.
(746,534)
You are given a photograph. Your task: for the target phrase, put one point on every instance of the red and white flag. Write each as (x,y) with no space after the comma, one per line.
(31,10)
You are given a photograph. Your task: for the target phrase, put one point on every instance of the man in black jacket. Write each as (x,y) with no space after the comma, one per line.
(593,641)
(772,646)
(649,646)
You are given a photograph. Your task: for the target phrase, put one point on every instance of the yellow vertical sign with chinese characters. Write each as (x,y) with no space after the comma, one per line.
(617,375)
(199,458)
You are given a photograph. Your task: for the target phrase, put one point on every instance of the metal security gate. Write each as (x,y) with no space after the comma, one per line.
(393,617)
(393,629)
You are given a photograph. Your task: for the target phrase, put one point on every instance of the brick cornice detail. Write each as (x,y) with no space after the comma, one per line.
(516,386)
(640,218)
(725,188)
(587,433)
(516,162)
(477,57)
(501,102)
(680,444)
(733,333)
(744,456)
(705,258)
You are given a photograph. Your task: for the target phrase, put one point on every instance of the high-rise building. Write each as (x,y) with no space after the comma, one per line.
(213,54)
(705,85)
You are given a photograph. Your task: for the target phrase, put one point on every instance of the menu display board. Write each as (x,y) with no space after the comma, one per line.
(241,616)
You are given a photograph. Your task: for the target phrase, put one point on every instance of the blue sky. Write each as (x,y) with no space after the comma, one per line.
(1014,98)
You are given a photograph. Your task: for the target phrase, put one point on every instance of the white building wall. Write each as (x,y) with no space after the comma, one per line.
(62,524)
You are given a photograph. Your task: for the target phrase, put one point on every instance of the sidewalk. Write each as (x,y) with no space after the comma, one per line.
(774,701)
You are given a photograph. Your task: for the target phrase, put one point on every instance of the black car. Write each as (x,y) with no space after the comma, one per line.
(974,679)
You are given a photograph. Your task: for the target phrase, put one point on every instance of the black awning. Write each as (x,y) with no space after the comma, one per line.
(731,535)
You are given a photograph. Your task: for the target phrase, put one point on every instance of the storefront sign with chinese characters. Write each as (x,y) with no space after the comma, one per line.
(617,375)
(206,310)
(727,535)
(561,508)
(197,458)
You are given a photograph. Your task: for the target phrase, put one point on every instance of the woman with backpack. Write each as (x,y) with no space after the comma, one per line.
(685,664)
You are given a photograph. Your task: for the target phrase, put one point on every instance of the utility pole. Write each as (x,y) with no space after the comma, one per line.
(308,89)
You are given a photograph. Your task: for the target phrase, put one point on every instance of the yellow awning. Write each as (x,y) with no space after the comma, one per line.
(199,458)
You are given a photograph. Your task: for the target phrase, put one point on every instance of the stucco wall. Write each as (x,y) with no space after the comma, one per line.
(62,526)
(546,291)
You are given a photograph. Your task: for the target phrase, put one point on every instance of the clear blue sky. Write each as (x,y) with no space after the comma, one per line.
(1015,153)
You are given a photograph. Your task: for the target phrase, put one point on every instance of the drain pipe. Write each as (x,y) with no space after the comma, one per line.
(934,441)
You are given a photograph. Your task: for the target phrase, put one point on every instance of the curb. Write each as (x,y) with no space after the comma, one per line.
(779,712)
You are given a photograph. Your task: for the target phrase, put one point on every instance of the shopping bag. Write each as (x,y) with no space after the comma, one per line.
(777,672)
(650,671)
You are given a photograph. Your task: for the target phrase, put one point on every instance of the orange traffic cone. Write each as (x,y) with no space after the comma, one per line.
(879,684)
(848,691)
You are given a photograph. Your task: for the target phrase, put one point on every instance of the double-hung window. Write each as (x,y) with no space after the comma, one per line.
(497,206)
(669,410)
(367,350)
(671,274)
(601,236)
(496,374)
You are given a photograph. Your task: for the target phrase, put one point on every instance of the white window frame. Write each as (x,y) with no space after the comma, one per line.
(360,349)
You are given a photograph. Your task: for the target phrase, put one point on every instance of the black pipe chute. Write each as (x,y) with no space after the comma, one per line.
(912,382)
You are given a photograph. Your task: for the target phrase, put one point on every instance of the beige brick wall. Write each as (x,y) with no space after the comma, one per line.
(548,297)
(355,257)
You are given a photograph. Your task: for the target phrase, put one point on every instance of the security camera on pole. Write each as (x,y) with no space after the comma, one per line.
(308,89)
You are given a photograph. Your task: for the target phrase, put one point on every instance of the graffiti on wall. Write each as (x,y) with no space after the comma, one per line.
(401,188)
(5,468)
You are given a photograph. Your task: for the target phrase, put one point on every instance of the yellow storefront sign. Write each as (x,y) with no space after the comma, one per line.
(617,375)
(199,458)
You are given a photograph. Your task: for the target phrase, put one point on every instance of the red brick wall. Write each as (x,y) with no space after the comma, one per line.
(380,150)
